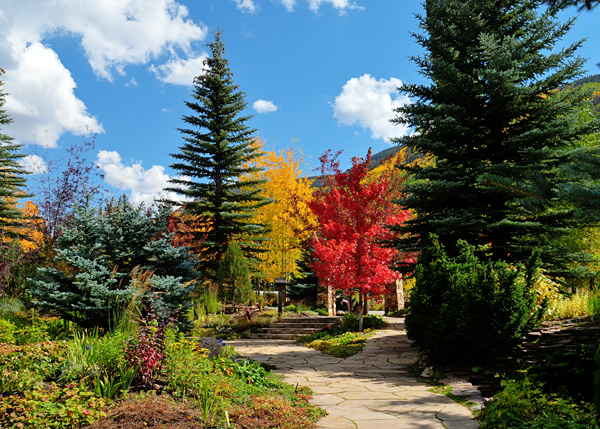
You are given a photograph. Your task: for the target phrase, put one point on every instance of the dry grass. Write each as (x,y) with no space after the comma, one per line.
(150,412)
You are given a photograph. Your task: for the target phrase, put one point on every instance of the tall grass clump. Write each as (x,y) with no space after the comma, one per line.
(566,306)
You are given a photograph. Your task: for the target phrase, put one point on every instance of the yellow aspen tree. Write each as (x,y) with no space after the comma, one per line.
(288,217)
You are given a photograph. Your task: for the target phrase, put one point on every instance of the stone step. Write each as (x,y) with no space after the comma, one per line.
(310,319)
(277,330)
(312,325)
(291,328)
(262,336)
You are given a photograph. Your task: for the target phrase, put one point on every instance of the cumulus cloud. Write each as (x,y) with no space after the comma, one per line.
(145,186)
(289,4)
(180,72)
(340,5)
(247,6)
(370,103)
(264,106)
(42,100)
(113,35)
(34,164)
(314,5)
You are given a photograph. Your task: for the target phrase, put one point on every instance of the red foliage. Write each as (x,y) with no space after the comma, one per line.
(148,351)
(352,215)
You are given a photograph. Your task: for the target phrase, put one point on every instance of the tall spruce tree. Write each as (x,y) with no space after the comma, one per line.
(492,109)
(217,145)
(12,174)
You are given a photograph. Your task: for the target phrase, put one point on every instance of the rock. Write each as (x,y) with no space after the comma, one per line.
(427,372)
(213,346)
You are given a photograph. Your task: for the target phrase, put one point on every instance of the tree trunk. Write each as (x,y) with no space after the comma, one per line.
(360,312)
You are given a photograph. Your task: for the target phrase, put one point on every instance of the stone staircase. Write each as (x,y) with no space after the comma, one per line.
(291,328)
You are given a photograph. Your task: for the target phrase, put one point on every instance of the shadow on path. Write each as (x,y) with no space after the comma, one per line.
(373,389)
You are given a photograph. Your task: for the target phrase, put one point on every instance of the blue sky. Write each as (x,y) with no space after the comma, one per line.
(321,73)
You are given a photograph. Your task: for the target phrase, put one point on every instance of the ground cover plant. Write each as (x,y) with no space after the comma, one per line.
(113,378)
(524,404)
(345,339)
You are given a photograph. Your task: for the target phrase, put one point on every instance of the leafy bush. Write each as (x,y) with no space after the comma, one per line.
(29,366)
(147,351)
(51,407)
(370,321)
(187,365)
(341,345)
(7,332)
(343,340)
(9,305)
(467,309)
(597,380)
(322,311)
(522,404)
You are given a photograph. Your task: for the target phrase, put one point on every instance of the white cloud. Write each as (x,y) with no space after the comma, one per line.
(113,35)
(370,103)
(247,6)
(42,101)
(264,106)
(34,164)
(180,72)
(144,185)
(340,5)
(289,4)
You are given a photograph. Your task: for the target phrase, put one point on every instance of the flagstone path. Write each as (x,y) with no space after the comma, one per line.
(370,390)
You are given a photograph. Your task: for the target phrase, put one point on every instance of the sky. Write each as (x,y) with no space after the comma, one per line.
(317,74)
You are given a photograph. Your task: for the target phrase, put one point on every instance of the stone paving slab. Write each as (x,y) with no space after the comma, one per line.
(370,390)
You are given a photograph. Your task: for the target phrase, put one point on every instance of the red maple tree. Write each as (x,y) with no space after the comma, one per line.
(352,214)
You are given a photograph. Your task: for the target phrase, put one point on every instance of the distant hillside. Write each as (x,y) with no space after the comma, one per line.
(587,79)
(376,160)
(595,78)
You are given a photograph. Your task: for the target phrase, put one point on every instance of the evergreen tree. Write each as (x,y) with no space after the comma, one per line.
(216,151)
(12,175)
(106,257)
(233,276)
(492,109)
(304,282)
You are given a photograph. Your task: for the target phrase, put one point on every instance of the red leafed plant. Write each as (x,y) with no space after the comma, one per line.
(352,214)
(148,351)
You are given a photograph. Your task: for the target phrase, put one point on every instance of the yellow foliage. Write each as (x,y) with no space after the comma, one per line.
(31,227)
(288,217)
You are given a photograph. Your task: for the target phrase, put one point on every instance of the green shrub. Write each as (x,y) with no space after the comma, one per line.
(271,298)
(322,311)
(52,407)
(29,366)
(7,332)
(522,404)
(370,321)
(340,345)
(597,380)
(594,303)
(185,365)
(9,305)
(463,308)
